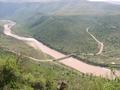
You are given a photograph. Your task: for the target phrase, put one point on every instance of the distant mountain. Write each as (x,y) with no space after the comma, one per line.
(26,9)
(62,7)
(82,7)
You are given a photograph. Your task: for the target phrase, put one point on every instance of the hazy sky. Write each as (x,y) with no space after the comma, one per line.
(28,0)
(106,0)
(115,1)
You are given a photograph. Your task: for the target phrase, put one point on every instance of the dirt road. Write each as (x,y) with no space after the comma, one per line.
(100,44)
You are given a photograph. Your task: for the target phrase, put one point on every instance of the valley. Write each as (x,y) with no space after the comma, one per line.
(73,28)
(59,45)
(71,62)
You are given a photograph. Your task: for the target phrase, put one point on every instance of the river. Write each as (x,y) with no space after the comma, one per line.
(70,62)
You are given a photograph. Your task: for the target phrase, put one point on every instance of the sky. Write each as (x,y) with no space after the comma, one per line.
(28,0)
(109,1)
(106,0)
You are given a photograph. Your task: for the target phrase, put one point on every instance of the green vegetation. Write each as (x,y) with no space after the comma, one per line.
(18,72)
(60,32)
(107,29)
(62,26)
(68,35)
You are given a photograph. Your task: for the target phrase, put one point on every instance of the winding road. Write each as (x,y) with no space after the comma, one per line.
(100,44)
(70,62)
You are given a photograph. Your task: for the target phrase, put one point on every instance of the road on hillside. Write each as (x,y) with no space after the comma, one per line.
(100,44)
(70,62)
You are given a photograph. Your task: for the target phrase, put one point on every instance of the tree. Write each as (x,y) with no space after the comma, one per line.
(8,75)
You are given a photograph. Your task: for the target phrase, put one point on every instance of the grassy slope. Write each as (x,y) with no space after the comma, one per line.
(34,72)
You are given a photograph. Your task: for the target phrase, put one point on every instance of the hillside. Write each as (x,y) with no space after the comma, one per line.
(68,34)
(18,72)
